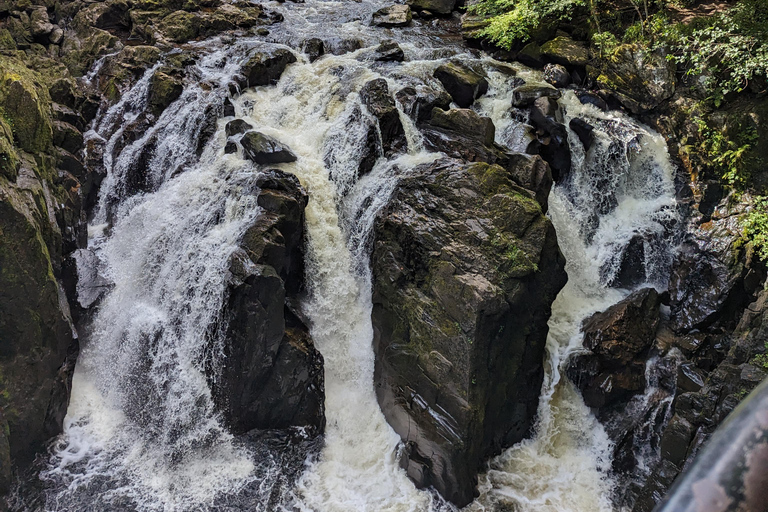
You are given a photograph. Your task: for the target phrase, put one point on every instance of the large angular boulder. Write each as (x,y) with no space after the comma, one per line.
(376,98)
(618,339)
(272,376)
(433,6)
(464,120)
(393,16)
(266,67)
(419,101)
(565,51)
(465,268)
(263,149)
(464,84)
(707,276)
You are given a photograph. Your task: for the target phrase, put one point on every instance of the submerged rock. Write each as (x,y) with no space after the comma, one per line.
(462,83)
(465,268)
(263,149)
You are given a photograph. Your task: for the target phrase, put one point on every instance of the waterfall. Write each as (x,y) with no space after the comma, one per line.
(565,466)
(142,433)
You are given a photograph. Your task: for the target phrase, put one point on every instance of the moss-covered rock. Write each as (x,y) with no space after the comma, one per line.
(640,80)
(9,160)
(24,104)
(564,50)
(164,89)
(180,26)
(465,268)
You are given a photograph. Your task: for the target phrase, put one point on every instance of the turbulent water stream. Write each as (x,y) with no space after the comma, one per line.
(141,432)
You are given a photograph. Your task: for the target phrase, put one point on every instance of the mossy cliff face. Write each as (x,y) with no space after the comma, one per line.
(37,341)
(465,268)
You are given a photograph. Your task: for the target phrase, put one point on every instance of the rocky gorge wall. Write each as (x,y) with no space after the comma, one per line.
(663,372)
(437,357)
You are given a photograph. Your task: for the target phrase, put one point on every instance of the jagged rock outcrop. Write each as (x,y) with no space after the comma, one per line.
(618,340)
(40,221)
(272,375)
(465,268)
(639,80)
(464,84)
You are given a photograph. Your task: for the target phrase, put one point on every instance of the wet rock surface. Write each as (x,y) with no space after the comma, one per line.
(263,149)
(619,340)
(448,324)
(464,85)
(393,16)
(41,221)
(272,375)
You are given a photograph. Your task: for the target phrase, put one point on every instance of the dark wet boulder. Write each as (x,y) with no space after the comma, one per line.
(314,48)
(556,75)
(526,95)
(389,51)
(464,84)
(466,121)
(418,102)
(627,268)
(236,127)
(552,136)
(263,149)
(272,376)
(340,46)
(433,6)
(565,51)
(584,131)
(377,99)
(230,147)
(707,276)
(589,98)
(465,268)
(618,340)
(67,137)
(397,15)
(266,67)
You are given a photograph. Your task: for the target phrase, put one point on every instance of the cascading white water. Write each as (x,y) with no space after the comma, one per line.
(565,466)
(141,432)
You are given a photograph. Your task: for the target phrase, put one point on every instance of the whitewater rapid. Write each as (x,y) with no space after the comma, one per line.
(141,432)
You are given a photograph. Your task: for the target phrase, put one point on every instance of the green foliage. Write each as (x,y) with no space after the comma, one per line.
(755,227)
(729,48)
(606,42)
(513,21)
(728,151)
